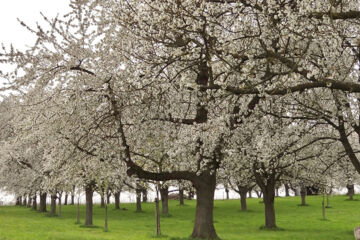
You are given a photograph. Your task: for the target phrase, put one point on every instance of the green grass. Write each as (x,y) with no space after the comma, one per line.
(295,222)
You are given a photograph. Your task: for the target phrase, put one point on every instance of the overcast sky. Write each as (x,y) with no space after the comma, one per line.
(28,11)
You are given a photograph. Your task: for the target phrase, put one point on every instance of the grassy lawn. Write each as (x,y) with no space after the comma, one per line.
(20,223)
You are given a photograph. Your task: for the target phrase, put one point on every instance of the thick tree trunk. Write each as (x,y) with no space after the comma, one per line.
(34,203)
(144,195)
(53,205)
(303,196)
(243,191)
(89,205)
(42,207)
(205,188)
(351,191)
(117,200)
(287,188)
(66,198)
(269,196)
(138,200)
(181,196)
(164,192)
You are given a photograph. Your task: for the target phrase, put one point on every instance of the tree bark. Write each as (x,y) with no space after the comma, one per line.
(117,200)
(287,188)
(205,187)
(42,207)
(89,205)
(108,195)
(138,199)
(227,193)
(29,201)
(73,196)
(102,204)
(250,193)
(34,203)
(351,191)
(269,196)
(164,192)
(53,205)
(243,192)
(66,198)
(303,196)
(24,201)
(190,194)
(181,196)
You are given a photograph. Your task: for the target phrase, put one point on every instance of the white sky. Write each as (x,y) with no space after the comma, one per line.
(29,12)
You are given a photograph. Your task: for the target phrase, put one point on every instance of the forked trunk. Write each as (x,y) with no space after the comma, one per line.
(117,200)
(164,192)
(89,205)
(181,196)
(108,195)
(42,202)
(269,196)
(53,205)
(204,225)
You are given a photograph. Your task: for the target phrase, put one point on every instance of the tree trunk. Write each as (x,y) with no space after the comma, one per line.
(181,196)
(303,196)
(108,195)
(42,207)
(106,216)
(243,191)
(117,200)
(29,201)
(73,196)
(34,203)
(53,205)
(59,212)
(277,192)
(269,196)
(227,193)
(157,215)
(24,201)
(205,188)
(164,192)
(250,191)
(18,201)
(287,193)
(138,200)
(89,205)
(78,211)
(144,195)
(351,191)
(66,198)
(102,204)
(190,194)
(258,193)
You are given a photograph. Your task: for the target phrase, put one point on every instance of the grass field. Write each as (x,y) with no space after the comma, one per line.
(21,223)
